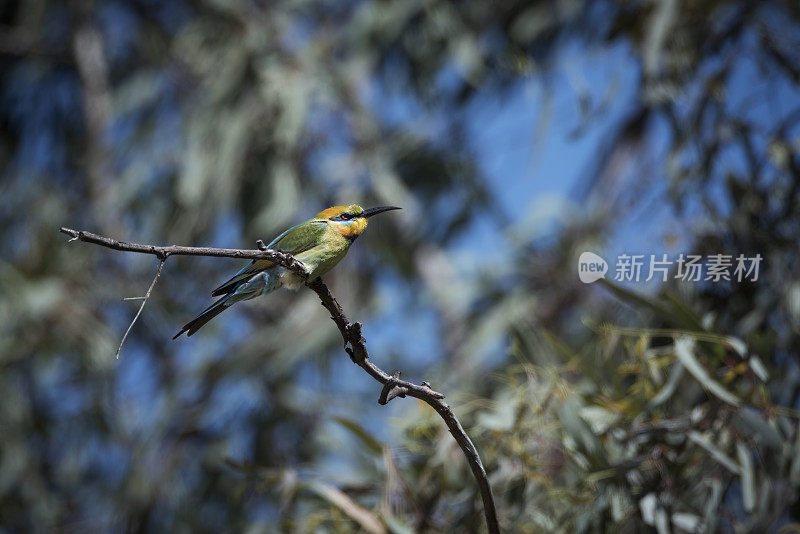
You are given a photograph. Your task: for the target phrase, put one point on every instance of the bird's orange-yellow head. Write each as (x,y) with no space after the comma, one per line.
(351,221)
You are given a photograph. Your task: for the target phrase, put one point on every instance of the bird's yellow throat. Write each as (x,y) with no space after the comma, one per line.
(352,229)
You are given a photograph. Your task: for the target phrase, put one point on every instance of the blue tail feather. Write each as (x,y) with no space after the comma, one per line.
(260,284)
(206,315)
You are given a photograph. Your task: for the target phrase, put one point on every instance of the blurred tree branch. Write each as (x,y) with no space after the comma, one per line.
(351,334)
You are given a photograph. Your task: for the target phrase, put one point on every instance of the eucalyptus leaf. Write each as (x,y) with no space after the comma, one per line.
(684,350)
(372,444)
(748,477)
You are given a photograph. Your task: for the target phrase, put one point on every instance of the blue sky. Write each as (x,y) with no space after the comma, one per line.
(525,143)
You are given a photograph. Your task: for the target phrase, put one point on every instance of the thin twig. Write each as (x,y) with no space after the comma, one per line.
(354,344)
(144,301)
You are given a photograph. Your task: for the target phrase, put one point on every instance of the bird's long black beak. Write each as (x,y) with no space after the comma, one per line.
(374,211)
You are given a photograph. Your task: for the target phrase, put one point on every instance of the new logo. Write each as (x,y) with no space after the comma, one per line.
(591,267)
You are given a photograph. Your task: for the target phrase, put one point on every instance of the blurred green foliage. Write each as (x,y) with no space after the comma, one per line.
(202,122)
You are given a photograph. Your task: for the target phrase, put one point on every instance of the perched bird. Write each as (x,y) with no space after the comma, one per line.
(319,243)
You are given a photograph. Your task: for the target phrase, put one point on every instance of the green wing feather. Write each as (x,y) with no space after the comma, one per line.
(295,240)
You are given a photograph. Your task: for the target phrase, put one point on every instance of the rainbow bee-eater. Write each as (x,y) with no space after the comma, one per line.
(319,243)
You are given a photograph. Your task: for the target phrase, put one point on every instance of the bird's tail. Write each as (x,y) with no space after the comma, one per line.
(259,284)
(209,313)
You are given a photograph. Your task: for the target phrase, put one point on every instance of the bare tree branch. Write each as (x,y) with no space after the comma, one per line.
(286,260)
(144,301)
(354,344)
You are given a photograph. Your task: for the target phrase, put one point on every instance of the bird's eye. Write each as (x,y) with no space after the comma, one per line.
(346,216)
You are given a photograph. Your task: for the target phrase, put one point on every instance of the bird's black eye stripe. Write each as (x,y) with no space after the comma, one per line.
(345,216)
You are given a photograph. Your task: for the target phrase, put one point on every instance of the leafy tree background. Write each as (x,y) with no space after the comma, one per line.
(515,135)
